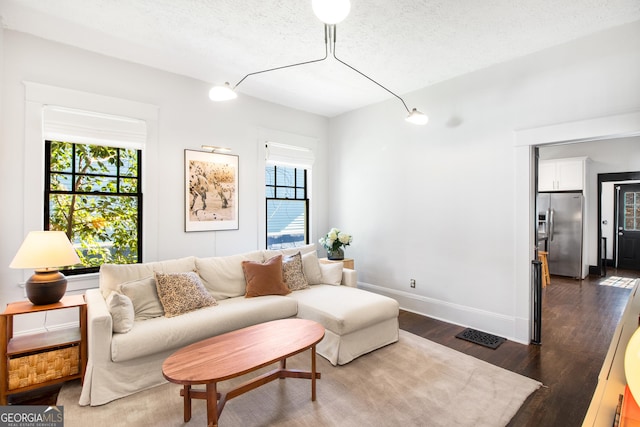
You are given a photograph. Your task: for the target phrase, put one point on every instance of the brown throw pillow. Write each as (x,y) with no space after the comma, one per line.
(180,293)
(264,278)
(292,272)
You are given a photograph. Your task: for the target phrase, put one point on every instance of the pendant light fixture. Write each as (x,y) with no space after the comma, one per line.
(330,12)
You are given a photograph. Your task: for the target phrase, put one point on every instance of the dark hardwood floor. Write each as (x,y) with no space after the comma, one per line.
(578,321)
(579,318)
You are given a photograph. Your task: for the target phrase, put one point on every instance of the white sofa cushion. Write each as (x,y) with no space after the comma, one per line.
(113,275)
(165,333)
(179,265)
(343,309)
(223,276)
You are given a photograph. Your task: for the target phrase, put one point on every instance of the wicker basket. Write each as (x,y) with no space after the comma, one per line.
(41,367)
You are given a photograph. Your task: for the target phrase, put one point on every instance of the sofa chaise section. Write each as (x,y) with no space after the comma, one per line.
(356,322)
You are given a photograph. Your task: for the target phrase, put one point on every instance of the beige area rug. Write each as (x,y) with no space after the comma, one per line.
(414,382)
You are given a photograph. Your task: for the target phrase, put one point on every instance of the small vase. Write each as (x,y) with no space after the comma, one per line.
(336,255)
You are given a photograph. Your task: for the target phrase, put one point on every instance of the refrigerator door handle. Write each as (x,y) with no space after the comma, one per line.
(546,222)
(550,224)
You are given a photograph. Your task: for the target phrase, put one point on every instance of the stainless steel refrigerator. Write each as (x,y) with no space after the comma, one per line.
(560,218)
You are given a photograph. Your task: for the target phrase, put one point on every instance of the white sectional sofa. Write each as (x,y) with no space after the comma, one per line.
(130,360)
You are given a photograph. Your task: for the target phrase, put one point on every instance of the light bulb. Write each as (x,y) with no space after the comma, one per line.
(331,11)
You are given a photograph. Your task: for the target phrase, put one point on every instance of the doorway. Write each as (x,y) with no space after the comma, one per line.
(627,253)
(628,180)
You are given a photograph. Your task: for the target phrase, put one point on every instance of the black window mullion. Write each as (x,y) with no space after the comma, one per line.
(291,185)
(47,183)
(139,193)
(75,174)
(118,170)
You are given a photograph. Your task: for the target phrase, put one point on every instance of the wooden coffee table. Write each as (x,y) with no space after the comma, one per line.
(239,352)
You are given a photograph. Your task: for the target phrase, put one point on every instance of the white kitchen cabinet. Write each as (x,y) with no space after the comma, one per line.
(561,174)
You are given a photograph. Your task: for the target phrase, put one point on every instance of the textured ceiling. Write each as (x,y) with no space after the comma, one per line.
(403,44)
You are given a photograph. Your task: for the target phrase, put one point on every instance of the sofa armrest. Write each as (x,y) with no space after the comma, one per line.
(349,278)
(99,327)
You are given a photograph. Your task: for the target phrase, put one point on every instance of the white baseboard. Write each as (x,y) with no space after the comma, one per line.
(54,327)
(509,327)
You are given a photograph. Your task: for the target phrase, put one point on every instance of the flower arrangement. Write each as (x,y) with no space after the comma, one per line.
(335,239)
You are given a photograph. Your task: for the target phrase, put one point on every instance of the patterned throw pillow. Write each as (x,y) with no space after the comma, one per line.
(182,292)
(292,272)
(264,278)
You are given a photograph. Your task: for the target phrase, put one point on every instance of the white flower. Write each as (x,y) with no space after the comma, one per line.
(335,239)
(344,238)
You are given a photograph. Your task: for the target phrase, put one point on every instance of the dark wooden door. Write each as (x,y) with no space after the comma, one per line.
(628,247)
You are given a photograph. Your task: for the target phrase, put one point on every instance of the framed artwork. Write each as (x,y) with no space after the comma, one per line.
(211,191)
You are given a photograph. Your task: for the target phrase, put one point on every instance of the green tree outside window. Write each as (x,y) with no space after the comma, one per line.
(93,194)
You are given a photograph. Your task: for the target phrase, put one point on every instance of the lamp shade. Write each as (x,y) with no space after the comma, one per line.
(417,118)
(45,249)
(222,93)
(331,11)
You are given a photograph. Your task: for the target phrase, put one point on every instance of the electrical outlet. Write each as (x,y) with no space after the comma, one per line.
(412,283)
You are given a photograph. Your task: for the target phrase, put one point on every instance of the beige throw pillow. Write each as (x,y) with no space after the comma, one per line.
(264,278)
(122,314)
(332,273)
(181,293)
(144,296)
(311,268)
(292,273)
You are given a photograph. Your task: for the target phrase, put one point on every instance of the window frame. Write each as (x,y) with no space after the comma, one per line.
(295,188)
(138,194)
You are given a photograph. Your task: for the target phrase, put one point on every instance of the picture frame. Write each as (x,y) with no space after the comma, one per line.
(211,191)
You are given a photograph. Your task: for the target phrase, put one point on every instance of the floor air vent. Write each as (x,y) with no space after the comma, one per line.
(482,338)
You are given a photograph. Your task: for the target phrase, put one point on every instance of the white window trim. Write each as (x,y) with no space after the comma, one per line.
(37,98)
(288,155)
(307,147)
(88,127)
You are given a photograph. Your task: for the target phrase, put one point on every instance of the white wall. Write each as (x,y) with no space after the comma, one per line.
(608,156)
(186,119)
(439,204)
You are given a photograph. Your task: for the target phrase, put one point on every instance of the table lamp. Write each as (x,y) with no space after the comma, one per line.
(45,251)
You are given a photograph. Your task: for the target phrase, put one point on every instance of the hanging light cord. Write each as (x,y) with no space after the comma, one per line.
(332,35)
(326,55)
(329,35)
